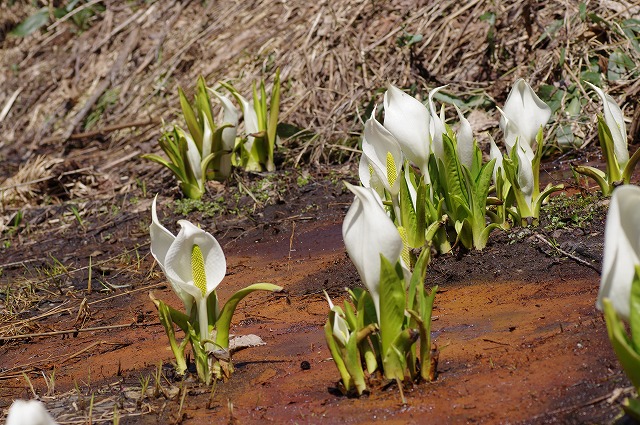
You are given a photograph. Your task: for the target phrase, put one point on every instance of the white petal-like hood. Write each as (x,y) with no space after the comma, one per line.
(368,232)
(615,121)
(178,260)
(522,115)
(621,248)
(408,120)
(377,144)
(465,140)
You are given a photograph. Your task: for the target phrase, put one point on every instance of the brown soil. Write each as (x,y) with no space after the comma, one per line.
(518,332)
(520,339)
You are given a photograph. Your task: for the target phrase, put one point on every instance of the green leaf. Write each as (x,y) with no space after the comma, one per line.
(417,278)
(32,23)
(167,315)
(354,364)
(336,354)
(598,175)
(634,314)
(408,217)
(190,118)
(224,320)
(274,111)
(177,317)
(631,407)
(629,359)
(606,144)
(631,165)
(392,302)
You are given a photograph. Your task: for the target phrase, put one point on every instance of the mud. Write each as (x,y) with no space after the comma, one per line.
(520,339)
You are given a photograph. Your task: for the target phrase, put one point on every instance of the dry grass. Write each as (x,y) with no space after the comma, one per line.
(334,56)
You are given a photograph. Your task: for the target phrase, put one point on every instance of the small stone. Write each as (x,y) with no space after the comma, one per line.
(305,365)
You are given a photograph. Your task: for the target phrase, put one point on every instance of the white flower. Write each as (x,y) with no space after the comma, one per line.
(615,121)
(368,233)
(383,154)
(408,120)
(30,412)
(525,174)
(193,155)
(231,116)
(339,326)
(621,249)
(465,140)
(250,120)
(523,115)
(192,261)
(495,153)
(368,177)
(436,128)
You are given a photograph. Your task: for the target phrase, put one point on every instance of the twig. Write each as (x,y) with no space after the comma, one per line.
(101,131)
(85,349)
(73,331)
(9,104)
(567,254)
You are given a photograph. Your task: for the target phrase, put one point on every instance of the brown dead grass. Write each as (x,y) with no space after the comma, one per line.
(335,57)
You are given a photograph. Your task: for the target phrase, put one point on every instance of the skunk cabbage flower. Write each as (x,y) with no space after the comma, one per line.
(495,153)
(621,249)
(615,121)
(193,154)
(368,176)
(193,262)
(408,120)
(339,326)
(383,154)
(465,140)
(231,115)
(368,232)
(30,412)
(523,115)
(436,128)
(525,174)
(250,120)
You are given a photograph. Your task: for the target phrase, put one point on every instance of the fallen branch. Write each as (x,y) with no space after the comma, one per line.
(73,331)
(567,254)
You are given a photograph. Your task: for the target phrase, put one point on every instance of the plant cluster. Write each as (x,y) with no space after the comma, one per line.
(380,327)
(207,151)
(612,134)
(433,180)
(194,265)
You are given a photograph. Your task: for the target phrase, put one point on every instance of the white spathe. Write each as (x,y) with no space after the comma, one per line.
(409,121)
(380,147)
(368,232)
(621,249)
(615,121)
(464,140)
(494,153)
(174,254)
(525,175)
(250,120)
(436,127)
(339,327)
(230,115)
(522,116)
(30,412)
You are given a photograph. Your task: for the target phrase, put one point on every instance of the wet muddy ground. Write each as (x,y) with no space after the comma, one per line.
(519,337)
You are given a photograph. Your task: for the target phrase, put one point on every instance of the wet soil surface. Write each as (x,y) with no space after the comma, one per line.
(520,339)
